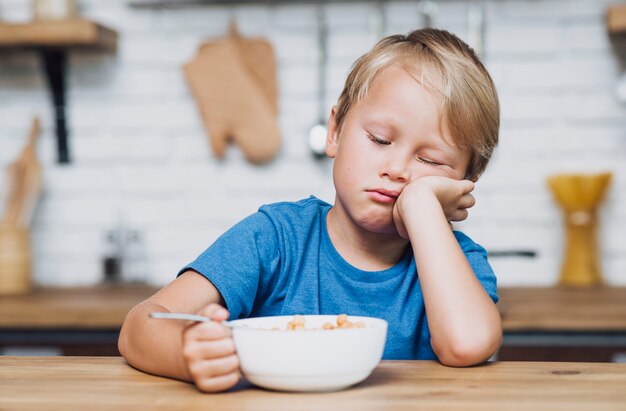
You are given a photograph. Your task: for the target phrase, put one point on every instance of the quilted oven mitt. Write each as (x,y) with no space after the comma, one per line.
(234,83)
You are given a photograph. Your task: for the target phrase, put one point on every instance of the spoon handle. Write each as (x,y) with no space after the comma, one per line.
(181,316)
(188,317)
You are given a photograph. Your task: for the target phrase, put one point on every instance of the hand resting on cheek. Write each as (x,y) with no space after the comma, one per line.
(454,197)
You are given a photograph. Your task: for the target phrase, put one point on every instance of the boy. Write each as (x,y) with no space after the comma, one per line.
(413,129)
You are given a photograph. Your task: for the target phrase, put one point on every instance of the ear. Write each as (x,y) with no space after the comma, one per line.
(332,135)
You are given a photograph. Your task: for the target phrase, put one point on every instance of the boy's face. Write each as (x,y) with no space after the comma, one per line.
(390,138)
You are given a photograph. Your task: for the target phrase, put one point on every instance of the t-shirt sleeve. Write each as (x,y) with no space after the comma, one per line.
(237,261)
(477,257)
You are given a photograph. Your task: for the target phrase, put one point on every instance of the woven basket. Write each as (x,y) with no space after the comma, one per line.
(15,261)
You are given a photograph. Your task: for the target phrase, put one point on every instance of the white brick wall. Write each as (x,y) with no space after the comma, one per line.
(140,152)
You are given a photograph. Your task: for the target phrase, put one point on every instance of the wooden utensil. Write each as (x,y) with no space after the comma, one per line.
(24,179)
(24,186)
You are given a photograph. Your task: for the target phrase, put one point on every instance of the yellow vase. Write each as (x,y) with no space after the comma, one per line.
(580,195)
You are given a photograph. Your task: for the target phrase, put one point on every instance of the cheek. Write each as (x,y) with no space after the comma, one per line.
(424,170)
(351,163)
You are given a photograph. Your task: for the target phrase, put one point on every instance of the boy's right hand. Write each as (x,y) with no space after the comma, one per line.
(454,197)
(209,352)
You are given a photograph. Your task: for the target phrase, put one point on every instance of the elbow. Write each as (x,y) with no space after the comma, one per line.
(122,342)
(465,352)
(124,339)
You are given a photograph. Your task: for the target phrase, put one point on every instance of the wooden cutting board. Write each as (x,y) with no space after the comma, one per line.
(24,183)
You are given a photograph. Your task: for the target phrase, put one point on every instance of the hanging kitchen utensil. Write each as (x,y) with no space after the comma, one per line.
(616,27)
(233,80)
(378,21)
(476,28)
(427,9)
(317,134)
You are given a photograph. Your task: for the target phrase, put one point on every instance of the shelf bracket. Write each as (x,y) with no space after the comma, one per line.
(54,63)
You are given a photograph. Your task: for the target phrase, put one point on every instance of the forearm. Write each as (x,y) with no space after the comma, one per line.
(463,320)
(153,346)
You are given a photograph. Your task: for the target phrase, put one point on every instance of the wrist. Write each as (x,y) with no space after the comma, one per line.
(417,199)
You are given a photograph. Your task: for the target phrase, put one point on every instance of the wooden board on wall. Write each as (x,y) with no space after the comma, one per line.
(59,33)
(616,19)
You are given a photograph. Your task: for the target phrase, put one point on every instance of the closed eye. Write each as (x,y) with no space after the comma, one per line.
(378,140)
(429,162)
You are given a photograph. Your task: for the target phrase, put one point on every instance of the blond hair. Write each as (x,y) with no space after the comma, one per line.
(443,62)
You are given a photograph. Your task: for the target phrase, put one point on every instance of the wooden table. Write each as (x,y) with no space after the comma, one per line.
(52,39)
(96,383)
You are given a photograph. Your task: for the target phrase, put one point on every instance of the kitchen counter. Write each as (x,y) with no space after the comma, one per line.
(563,309)
(563,324)
(102,307)
(522,308)
(540,323)
(69,321)
(63,383)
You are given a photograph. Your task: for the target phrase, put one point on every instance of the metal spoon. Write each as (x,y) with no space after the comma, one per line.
(189,317)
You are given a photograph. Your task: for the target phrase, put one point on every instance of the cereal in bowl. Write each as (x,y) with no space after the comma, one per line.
(342,322)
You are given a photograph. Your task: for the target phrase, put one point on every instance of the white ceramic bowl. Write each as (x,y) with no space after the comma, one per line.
(308,360)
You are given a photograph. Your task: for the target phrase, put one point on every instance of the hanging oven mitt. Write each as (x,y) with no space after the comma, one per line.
(234,83)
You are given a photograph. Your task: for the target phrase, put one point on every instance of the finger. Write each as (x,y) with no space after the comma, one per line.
(467,201)
(215,312)
(209,349)
(215,367)
(208,331)
(467,186)
(217,384)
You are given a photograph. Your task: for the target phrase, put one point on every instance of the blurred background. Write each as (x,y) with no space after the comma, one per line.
(141,159)
(141,192)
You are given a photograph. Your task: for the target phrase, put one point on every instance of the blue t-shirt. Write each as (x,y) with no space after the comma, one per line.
(280,261)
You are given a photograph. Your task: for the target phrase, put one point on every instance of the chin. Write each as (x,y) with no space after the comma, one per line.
(380,226)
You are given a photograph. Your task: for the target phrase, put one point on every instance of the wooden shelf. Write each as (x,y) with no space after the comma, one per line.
(52,39)
(616,19)
(57,33)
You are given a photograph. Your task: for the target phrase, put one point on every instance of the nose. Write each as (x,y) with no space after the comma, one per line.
(396,168)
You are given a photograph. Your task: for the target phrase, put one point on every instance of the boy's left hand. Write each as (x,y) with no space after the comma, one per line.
(454,197)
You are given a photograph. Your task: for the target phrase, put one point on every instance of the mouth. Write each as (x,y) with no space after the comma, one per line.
(383,196)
